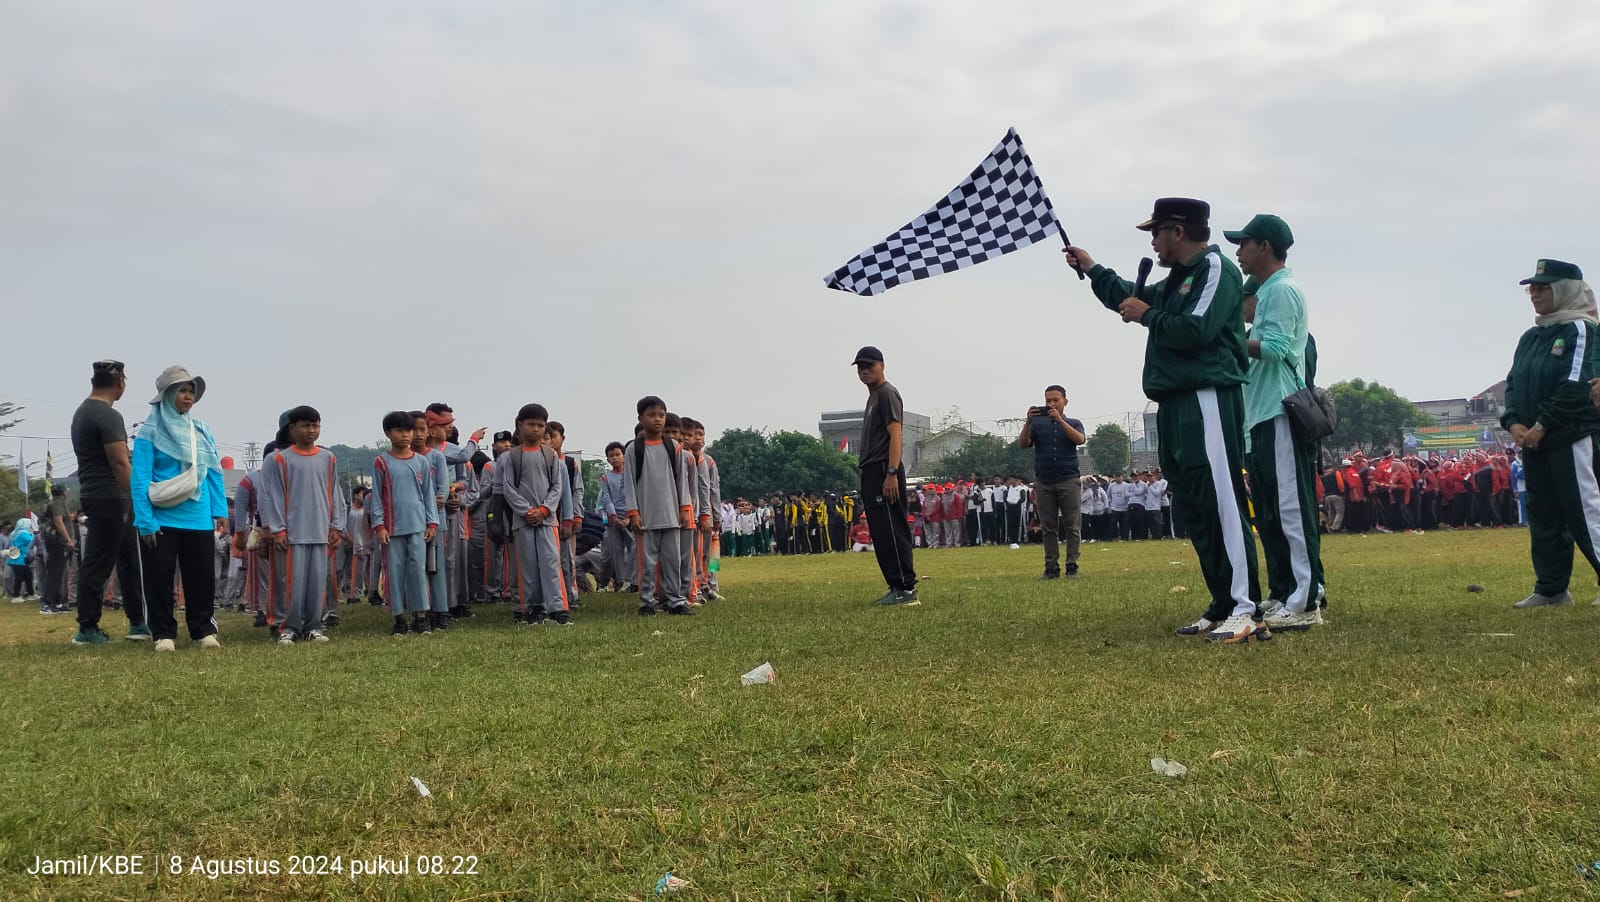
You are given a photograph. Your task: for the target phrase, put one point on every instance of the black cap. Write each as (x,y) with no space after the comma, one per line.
(1182,210)
(868,353)
(503,435)
(108,367)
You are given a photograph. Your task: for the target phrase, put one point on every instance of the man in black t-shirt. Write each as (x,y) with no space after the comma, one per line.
(100,441)
(59,545)
(883,479)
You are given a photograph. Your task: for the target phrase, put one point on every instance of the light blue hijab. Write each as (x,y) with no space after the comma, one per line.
(168,431)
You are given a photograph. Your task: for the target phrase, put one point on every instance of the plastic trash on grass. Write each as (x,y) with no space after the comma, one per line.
(1167,768)
(670,884)
(421,789)
(762,674)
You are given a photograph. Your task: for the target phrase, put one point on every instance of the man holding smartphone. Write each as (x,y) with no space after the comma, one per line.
(883,479)
(1054,438)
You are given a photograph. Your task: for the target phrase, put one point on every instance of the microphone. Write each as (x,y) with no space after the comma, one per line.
(1145,264)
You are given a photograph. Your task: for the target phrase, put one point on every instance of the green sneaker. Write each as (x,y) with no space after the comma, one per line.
(140,633)
(90,637)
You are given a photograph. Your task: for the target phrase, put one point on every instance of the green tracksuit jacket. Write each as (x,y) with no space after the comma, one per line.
(1549,382)
(1195,323)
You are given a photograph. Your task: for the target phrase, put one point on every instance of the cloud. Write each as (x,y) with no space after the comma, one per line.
(372,205)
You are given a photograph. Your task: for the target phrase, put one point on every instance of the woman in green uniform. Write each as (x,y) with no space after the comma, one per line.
(1550,416)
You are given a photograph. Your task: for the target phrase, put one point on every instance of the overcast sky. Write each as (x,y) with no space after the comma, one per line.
(370,205)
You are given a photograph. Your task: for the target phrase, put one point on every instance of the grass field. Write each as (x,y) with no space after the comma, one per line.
(993,743)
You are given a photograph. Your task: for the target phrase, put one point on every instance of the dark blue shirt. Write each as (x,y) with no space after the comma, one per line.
(1055,457)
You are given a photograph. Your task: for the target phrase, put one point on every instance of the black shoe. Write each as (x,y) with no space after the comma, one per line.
(420,625)
(646,610)
(330,619)
(537,617)
(461,612)
(1072,571)
(400,628)
(561,618)
(682,610)
(1051,574)
(441,620)
(886,598)
(906,597)
(630,588)
(375,599)
(518,618)
(261,618)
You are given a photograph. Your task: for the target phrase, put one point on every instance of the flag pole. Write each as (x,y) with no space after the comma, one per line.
(1066,244)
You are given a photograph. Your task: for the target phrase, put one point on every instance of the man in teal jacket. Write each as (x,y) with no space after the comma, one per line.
(1194,365)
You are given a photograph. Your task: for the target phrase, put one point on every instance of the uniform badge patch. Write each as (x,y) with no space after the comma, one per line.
(1559,348)
(1187,284)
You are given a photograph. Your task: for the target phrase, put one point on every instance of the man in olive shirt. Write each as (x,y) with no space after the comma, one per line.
(883,479)
(100,441)
(59,546)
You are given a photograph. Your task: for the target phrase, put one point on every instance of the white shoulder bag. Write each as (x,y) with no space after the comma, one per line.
(182,487)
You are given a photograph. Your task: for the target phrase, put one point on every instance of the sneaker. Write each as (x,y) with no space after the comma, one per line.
(210,641)
(630,588)
(166,645)
(537,617)
(1285,619)
(90,637)
(1239,629)
(519,618)
(286,637)
(907,597)
(400,629)
(261,618)
(714,595)
(317,636)
(1538,601)
(1544,600)
(139,633)
(647,610)
(1271,606)
(1201,627)
(17,599)
(886,598)
(561,618)
(421,626)
(680,610)
(1050,574)
(48,609)
(461,613)
(441,620)
(1072,571)
(375,599)
(330,619)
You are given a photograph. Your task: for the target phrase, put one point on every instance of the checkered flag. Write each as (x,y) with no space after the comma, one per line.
(999,208)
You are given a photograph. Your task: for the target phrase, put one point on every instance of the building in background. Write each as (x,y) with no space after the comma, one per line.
(842,430)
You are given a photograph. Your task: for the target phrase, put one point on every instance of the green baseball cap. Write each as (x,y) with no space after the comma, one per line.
(1264,227)
(1553,271)
(1251,286)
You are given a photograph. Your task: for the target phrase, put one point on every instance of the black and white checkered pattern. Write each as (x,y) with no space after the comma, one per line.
(1001,207)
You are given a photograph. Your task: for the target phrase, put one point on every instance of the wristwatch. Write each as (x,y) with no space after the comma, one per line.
(892,471)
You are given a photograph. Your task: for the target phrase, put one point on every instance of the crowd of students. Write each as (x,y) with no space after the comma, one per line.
(1410,494)
(446,526)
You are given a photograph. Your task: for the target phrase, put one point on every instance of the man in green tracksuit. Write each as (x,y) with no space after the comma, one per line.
(1194,365)
(1282,466)
(1550,416)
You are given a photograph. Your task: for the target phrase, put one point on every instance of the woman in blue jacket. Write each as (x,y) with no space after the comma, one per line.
(18,559)
(177,513)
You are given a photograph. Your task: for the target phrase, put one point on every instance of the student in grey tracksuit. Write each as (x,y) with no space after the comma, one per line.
(483,556)
(533,483)
(461,542)
(660,506)
(713,486)
(617,547)
(300,508)
(700,518)
(403,511)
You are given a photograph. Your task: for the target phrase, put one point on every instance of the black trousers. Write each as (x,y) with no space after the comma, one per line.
(891,531)
(111,542)
(55,573)
(185,553)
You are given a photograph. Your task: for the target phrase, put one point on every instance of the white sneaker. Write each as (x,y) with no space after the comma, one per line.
(1285,619)
(286,637)
(1198,628)
(317,636)
(166,645)
(209,641)
(1271,606)
(1538,601)
(1239,629)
